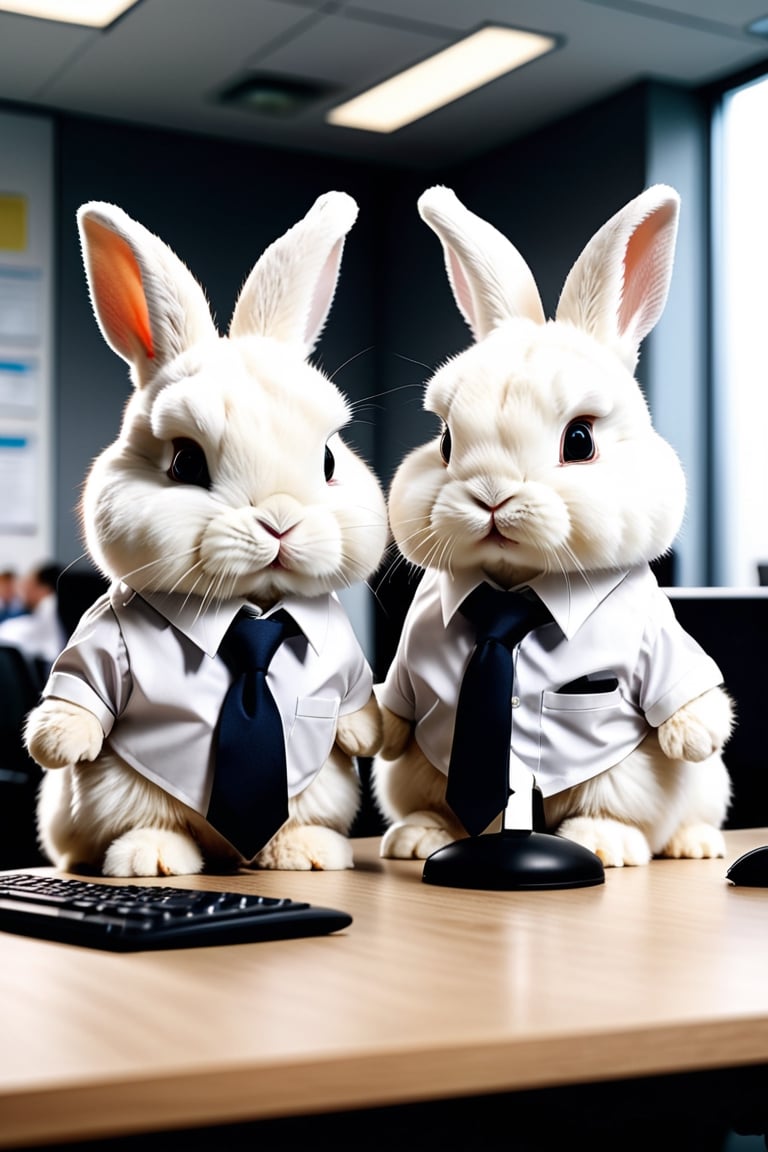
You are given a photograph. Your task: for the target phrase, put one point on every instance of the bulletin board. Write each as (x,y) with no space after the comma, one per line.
(26,340)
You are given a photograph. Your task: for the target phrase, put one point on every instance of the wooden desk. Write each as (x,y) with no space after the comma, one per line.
(431,993)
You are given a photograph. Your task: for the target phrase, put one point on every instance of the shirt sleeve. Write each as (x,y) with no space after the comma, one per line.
(93,670)
(396,692)
(357,675)
(677,667)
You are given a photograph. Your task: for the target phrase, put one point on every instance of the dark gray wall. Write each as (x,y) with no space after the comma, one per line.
(219,204)
(677,359)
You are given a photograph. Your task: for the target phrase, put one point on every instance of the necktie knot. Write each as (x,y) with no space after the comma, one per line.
(502,616)
(251,641)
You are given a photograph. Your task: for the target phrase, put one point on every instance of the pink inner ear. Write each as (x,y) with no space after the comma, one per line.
(118,292)
(462,292)
(645,263)
(323,294)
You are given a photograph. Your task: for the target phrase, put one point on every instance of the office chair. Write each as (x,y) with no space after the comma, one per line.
(20,687)
(21,683)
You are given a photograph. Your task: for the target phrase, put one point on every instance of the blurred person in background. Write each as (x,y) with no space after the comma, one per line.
(11,603)
(37,632)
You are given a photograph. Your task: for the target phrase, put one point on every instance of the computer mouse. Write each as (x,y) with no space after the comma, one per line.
(751,869)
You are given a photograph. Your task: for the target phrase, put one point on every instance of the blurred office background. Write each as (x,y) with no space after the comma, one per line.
(141,113)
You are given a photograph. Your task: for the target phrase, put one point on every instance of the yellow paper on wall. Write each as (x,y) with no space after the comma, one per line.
(13,223)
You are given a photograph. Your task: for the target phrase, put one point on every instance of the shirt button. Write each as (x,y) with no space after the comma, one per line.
(515,701)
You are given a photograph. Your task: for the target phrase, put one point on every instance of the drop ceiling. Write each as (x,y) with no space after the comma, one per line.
(166,62)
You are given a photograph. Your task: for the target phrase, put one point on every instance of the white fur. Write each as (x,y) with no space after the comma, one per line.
(263,416)
(507,505)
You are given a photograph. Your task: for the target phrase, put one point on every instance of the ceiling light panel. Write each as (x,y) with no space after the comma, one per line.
(439,80)
(90,13)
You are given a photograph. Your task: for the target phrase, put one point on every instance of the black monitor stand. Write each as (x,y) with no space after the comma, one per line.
(515,859)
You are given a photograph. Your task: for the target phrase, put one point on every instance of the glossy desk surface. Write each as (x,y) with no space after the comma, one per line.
(430,992)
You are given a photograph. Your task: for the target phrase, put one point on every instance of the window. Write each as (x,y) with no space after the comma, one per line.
(740,335)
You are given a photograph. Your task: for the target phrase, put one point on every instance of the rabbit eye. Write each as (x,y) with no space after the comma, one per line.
(188,465)
(445,444)
(330,464)
(578,442)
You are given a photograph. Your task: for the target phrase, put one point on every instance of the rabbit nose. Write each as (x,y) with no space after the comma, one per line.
(278,515)
(491,497)
(491,509)
(271,530)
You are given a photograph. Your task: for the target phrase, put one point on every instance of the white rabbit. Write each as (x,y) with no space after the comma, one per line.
(228,484)
(547,473)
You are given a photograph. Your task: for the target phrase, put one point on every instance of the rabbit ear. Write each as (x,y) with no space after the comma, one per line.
(147,303)
(618,287)
(289,292)
(489,278)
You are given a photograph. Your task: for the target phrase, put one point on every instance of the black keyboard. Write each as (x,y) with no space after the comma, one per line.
(132,917)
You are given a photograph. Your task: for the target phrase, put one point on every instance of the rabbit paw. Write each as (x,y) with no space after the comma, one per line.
(396,734)
(306,848)
(698,729)
(415,838)
(152,852)
(58,733)
(359,733)
(615,843)
(695,842)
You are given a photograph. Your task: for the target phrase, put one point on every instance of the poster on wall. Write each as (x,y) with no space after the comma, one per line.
(19,467)
(13,222)
(26,340)
(19,385)
(21,308)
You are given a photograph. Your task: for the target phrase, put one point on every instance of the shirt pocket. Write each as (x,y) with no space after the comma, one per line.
(588,729)
(584,696)
(589,686)
(311,735)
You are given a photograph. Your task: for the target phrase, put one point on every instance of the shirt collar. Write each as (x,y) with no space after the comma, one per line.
(454,589)
(571,597)
(206,627)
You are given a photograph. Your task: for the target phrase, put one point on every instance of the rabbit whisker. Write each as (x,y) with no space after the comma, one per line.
(152,564)
(350,360)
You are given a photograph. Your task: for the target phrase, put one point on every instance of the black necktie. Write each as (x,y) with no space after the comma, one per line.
(478,774)
(249,800)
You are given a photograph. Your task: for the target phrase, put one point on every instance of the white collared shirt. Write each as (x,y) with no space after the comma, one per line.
(146,667)
(618,627)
